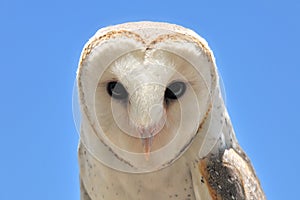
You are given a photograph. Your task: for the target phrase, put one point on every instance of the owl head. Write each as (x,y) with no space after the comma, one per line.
(145,89)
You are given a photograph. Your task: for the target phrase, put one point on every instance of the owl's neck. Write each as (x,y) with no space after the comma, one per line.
(102,182)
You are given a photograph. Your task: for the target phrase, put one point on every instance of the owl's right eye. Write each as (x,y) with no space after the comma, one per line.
(116,90)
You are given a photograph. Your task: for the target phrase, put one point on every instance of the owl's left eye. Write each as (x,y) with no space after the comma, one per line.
(175,90)
(116,90)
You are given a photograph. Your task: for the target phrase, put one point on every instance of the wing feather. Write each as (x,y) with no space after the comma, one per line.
(227,175)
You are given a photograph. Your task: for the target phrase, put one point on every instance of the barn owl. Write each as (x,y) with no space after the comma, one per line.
(153,120)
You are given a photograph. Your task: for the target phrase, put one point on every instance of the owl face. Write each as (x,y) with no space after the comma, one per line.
(146,99)
(143,95)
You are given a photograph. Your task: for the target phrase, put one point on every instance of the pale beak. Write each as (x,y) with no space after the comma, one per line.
(147,143)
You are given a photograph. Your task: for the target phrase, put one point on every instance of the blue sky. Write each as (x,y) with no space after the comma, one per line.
(256,45)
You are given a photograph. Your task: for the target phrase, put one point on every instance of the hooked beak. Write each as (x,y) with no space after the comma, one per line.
(147,143)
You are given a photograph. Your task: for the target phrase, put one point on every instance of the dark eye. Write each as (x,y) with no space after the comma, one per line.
(116,90)
(175,90)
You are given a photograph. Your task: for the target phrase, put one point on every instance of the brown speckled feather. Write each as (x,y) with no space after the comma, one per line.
(228,175)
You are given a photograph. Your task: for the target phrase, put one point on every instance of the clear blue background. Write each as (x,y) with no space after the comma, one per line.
(256,44)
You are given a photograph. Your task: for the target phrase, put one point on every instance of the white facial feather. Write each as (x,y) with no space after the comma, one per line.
(146,106)
(145,70)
